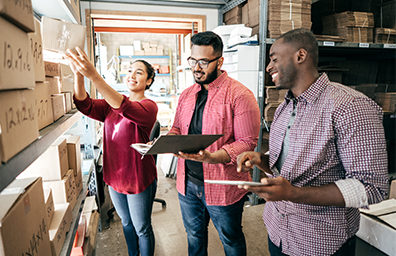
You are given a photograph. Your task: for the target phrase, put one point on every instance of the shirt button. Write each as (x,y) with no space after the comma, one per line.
(288,127)
(293,114)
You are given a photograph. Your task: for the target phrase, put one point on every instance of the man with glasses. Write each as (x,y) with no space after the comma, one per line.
(215,104)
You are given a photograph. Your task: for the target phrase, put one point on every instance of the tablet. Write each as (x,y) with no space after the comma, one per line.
(191,143)
(234,182)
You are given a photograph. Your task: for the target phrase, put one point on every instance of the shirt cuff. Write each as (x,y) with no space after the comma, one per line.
(353,192)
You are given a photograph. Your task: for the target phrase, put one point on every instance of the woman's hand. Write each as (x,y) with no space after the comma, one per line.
(80,63)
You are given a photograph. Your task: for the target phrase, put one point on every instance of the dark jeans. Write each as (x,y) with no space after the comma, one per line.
(226,219)
(347,249)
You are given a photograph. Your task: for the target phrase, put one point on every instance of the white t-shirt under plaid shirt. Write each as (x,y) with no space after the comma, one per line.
(337,137)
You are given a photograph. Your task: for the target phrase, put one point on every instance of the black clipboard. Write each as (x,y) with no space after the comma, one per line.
(191,143)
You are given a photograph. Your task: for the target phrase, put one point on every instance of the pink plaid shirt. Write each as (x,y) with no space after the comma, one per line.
(337,134)
(231,109)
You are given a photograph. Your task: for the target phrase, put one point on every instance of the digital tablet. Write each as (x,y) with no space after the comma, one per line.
(191,143)
(234,182)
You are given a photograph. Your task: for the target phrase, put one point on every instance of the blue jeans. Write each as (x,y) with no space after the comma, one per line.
(135,213)
(226,219)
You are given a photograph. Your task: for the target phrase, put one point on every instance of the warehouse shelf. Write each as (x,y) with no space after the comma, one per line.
(270,41)
(76,213)
(60,9)
(10,170)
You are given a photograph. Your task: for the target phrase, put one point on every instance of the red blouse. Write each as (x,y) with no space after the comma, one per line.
(123,168)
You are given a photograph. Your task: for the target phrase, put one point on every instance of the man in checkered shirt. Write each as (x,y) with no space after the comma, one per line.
(327,141)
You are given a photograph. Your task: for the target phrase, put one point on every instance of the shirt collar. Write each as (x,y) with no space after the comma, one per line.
(313,91)
(215,84)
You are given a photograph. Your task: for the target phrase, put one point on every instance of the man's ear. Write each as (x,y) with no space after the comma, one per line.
(301,55)
(220,63)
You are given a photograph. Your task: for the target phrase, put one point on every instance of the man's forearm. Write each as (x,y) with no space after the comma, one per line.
(220,157)
(326,195)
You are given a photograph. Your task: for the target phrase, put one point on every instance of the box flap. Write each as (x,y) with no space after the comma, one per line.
(384,207)
(390,219)
(10,194)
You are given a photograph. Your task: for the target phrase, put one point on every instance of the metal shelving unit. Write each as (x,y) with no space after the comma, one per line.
(10,170)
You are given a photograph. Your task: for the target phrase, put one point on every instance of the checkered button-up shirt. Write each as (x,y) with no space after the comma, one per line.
(337,134)
(231,109)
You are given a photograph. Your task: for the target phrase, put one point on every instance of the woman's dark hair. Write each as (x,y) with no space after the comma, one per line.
(150,71)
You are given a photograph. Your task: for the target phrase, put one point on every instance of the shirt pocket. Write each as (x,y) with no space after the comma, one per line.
(220,119)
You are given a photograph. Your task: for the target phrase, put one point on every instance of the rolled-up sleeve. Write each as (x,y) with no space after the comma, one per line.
(246,126)
(362,147)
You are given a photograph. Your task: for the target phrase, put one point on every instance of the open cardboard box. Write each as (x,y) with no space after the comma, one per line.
(378,226)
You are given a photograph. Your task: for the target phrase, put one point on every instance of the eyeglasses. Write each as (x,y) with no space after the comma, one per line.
(202,63)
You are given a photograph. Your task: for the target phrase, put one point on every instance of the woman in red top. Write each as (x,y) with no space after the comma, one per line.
(132,181)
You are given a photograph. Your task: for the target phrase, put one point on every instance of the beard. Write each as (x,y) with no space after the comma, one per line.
(210,77)
(287,76)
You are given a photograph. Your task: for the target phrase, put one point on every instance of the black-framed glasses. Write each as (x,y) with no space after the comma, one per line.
(202,63)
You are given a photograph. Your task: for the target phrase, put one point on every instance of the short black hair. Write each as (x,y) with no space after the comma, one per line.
(303,38)
(208,38)
(150,71)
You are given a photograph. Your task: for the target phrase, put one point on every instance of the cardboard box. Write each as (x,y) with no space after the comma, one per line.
(392,191)
(36,51)
(59,36)
(23,226)
(49,204)
(66,79)
(59,226)
(79,239)
(52,69)
(274,95)
(67,98)
(16,70)
(387,101)
(76,7)
(43,105)
(254,12)
(233,16)
(52,164)
(378,226)
(53,85)
(63,191)
(19,13)
(58,107)
(18,124)
(74,153)
(90,244)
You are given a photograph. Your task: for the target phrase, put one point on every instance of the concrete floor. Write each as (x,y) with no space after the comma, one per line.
(170,236)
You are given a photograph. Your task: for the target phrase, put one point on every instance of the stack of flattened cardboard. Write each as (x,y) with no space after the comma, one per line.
(353,26)
(285,15)
(385,35)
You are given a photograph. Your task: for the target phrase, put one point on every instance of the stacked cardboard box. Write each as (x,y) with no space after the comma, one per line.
(274,95)
(60,168)
(285,15)
(233,16)
(387,101)
(353,26)
(23,220)
(385,35)
(269,111)
(18,125)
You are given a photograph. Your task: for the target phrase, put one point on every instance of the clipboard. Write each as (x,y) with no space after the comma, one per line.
(234,182)
(191,143)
